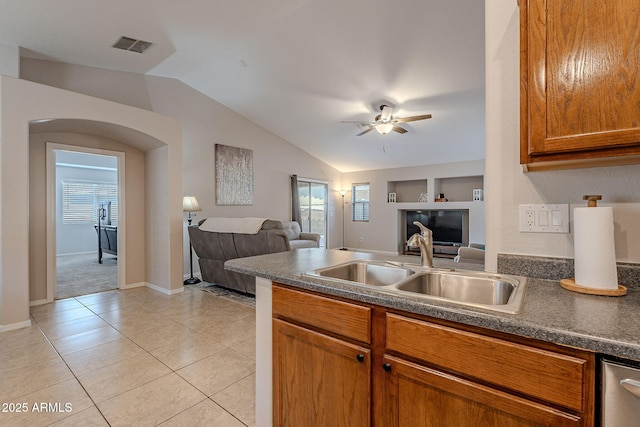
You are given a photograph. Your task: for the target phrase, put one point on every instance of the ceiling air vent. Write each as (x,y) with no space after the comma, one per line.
(132,45)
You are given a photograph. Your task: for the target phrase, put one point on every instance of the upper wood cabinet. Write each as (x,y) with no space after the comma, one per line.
(579,89)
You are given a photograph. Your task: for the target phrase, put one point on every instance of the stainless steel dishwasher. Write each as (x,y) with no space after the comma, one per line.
(620,394)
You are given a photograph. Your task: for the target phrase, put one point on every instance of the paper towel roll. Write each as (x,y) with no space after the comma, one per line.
(595,254)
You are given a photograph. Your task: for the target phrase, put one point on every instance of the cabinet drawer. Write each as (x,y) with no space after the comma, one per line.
(339,317)
(542,374)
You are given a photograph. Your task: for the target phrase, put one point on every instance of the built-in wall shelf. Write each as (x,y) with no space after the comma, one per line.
(458,189)
(455,189)
(407,191)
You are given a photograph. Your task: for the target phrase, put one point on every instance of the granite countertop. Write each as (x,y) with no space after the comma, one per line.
(607,325)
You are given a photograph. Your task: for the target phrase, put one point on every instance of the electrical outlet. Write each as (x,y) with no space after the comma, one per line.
(544,218)
(361,239)
(530,218)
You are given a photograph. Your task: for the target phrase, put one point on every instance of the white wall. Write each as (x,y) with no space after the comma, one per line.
(205,123)
(507,186)
(9,60)
(22,102)
(382,232)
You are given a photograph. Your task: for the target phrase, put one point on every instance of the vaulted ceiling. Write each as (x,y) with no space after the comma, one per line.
(295,67)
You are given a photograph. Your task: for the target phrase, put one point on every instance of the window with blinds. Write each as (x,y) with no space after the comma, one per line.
(80,201)
(360,202)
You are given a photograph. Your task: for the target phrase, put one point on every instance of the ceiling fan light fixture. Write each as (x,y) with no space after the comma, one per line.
(384,128)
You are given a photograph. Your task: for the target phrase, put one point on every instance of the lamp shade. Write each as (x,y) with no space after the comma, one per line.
(190,204)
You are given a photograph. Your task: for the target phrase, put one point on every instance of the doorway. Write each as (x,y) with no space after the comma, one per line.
(85,187)
(313,208)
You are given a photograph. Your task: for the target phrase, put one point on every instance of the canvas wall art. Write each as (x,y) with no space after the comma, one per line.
(234,176)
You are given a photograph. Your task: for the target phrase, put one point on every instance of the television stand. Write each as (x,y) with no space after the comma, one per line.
(449,251)
(446,250)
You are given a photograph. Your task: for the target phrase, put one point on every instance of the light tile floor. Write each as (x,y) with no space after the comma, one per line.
(131,358)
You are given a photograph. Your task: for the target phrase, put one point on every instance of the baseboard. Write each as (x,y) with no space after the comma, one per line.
(14,326)
(39,302)
(133,285)
(165,291)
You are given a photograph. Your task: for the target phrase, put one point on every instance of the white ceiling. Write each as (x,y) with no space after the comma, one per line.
(295,67)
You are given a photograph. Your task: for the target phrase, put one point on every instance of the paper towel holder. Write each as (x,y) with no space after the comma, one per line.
(592,200)
(571,285)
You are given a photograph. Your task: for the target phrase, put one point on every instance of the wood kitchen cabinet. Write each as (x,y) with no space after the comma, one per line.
(579,97)
(439,375)
(320,378)
(341,363)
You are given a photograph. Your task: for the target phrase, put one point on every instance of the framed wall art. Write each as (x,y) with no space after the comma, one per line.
(234,176)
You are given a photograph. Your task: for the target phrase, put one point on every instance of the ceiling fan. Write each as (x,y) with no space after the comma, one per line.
(384,122)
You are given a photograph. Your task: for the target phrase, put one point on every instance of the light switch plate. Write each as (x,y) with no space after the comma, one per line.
(544,218)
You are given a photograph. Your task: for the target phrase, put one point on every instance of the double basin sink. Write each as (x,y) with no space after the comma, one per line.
(502,293)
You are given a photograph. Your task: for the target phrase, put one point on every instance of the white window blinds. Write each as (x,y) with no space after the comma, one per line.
(360,202)
(80,201)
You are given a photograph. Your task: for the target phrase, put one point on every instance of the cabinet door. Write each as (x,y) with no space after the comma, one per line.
(417,396)
(579,68)
(319,380)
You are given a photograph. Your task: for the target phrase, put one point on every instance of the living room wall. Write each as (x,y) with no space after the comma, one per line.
(205,123)
(382,231)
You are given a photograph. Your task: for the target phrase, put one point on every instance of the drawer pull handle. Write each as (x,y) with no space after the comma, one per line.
(360,357)
(632,386)
(387,367)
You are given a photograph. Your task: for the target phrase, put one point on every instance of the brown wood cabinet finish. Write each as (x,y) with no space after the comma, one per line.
(542,374)
(579,101)
(319,380)
(419,371)
(346,319)
(418,396)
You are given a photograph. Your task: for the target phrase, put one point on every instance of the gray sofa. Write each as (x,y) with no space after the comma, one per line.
(214,248)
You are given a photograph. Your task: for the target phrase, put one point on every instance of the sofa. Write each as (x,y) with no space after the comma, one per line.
(214,248)
(472,254)
(298,239)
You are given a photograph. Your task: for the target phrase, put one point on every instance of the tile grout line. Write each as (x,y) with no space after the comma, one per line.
(74,376)
(206,397)
(175,371)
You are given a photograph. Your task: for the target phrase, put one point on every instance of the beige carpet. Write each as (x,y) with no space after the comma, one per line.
(82,274)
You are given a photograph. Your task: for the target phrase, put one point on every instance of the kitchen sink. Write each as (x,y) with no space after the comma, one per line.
(502,293)
(366,272)
(464,288)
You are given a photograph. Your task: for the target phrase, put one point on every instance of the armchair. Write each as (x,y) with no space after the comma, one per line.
(298,239)
(472,254)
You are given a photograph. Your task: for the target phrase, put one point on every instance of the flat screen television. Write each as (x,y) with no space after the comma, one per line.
(448,226)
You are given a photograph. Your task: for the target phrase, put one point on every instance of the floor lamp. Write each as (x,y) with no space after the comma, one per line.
(342,193)
(190,204)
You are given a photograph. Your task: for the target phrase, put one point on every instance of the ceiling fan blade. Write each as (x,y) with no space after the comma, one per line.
(386,113)
(399,129)
(365,131)
(360,122)
(412,118)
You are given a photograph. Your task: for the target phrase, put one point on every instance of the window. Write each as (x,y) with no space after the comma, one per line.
(360,202)
(313,207)
(80,201)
